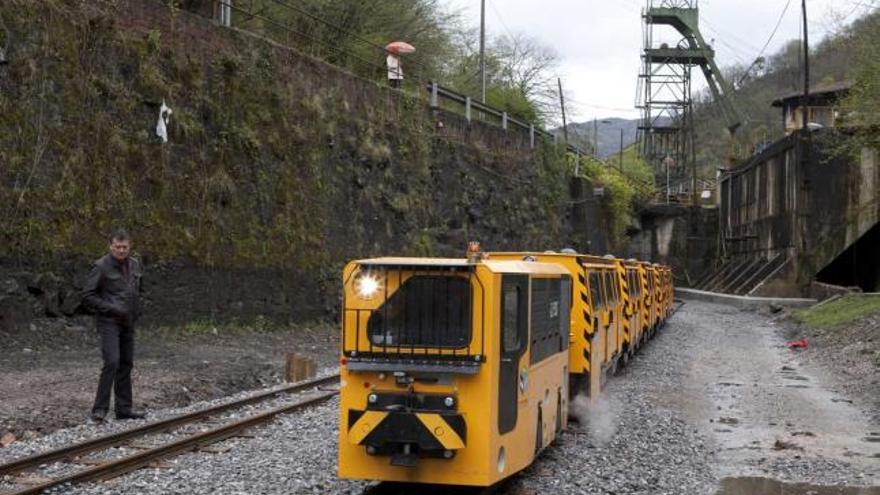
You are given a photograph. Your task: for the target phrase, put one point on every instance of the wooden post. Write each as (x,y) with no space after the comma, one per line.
(298,368)
(467,108)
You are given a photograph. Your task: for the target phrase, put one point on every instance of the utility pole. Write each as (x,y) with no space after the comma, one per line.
(621,150)
(806,98)
(595,138)
(562,105)
(483,50)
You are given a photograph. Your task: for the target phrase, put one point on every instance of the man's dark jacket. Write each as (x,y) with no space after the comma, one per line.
(113,297)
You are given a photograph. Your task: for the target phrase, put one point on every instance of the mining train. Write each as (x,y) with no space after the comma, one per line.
(459,371)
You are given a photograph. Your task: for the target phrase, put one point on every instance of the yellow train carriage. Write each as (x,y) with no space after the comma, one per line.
(669,287)
(453,371)
(660,296)
(600,333)
(640,310)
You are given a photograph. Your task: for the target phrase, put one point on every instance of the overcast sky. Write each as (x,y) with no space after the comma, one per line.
(599,41)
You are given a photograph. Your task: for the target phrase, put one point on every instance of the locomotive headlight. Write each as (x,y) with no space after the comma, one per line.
(367,286)
(372,398)
(449,402)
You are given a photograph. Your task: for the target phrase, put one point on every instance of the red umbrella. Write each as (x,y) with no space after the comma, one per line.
(399,47)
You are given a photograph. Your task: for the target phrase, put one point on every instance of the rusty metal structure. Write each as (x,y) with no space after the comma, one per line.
(666,130)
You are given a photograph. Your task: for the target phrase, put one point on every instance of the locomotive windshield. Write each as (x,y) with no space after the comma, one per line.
(426,311)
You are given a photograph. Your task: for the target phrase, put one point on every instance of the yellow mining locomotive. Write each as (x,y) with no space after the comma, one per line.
(459,371)
(453,371)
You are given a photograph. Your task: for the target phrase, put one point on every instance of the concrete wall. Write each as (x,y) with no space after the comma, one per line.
(279,167)
(801,199)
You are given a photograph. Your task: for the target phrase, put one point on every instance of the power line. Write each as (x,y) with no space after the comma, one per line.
(778,23)
(500,19)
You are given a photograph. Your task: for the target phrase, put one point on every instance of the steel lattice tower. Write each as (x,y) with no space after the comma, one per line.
(666,130)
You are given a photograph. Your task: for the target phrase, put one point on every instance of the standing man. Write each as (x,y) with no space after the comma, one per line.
(112,292)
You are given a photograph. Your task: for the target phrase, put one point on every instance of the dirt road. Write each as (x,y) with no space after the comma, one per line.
(768,410)
(48,372)
(716,404)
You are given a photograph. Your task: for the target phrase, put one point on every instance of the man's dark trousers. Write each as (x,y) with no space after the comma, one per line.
(117,349)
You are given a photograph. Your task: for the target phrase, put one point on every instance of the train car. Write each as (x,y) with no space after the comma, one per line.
(639,311)
(669,286)
(659,296)
(453,371)
(601,333)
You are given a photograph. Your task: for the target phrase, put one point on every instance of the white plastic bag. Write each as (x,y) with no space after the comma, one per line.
(162,126)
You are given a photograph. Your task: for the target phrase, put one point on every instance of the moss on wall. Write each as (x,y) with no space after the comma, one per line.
(273,159)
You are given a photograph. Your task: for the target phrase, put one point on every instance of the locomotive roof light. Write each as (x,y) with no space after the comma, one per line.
(474,253)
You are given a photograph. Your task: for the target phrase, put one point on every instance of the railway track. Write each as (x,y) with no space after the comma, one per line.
(396,488)
(101,470)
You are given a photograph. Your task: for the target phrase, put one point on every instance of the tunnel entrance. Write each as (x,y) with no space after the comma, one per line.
(858,265)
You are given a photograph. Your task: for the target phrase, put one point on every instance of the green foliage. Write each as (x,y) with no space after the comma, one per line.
(512,101)
(839,312)
(356,32)
(859,107)
(621,193)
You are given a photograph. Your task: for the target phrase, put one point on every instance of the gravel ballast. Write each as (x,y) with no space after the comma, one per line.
(711,397)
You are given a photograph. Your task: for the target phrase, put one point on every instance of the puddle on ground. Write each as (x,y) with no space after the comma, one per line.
(767,486)
(796,377)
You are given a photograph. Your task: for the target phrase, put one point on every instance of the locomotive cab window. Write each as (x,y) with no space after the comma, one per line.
(511,298)
(426,311)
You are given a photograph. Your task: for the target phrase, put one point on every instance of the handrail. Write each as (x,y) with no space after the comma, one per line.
(436,92)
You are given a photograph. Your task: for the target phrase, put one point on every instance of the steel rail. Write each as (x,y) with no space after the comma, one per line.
(118,467)
(117,438)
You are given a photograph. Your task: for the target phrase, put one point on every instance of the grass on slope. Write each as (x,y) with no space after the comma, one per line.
(840,311)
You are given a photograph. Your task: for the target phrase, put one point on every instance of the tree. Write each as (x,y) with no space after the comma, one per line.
(528,69)
(352,33)
(859,108)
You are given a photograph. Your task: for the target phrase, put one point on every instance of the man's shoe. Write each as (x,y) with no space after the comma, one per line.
(98,415)
(130,414)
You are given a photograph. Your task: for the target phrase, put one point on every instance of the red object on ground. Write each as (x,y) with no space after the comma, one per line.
(399,47)
(797,343)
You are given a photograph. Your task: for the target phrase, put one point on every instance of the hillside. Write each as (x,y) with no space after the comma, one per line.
(278,167)
(606,131)
(833,60)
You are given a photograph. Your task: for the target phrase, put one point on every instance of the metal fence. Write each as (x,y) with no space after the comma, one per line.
(469,107)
